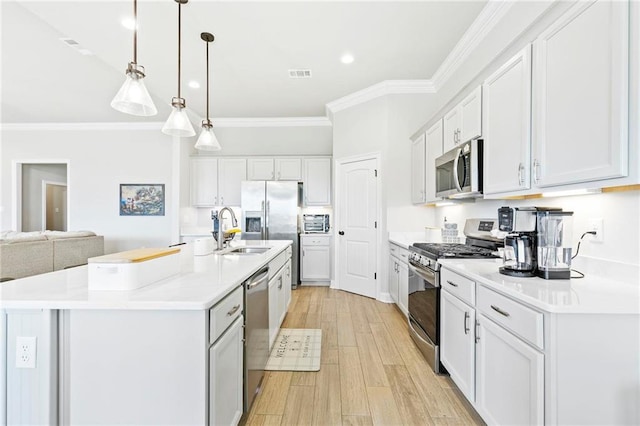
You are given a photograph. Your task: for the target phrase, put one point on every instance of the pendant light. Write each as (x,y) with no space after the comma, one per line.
(207,140)
(133,97)
(178,123)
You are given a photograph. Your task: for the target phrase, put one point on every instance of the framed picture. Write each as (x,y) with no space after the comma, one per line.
(141,199)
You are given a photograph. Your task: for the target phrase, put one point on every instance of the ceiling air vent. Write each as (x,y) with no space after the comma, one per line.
(76,46)
(300,73)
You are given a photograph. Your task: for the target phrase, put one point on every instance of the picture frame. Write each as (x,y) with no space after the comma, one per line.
(138,199)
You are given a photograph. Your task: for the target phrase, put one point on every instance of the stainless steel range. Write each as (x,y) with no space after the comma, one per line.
(424,282)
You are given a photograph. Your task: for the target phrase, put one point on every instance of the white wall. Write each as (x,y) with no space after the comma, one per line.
(99,161)
(32,177)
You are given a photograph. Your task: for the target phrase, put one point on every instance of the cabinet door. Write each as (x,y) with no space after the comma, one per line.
(434,137)
(393,279)
(317,182)
(274,317)
(581,92)
(403,287)
(510,377)
(457,351)
(471,116)
(287,285)
(418,156)
(204,182)
(226,371)
(231,173)
(507,126)
(282,298)
(289,169)
(316,263)
(451,124)
(260,169)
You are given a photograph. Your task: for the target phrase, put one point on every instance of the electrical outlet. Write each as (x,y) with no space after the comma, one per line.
(25,352)
(596,225)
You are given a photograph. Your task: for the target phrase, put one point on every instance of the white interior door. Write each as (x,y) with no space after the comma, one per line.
(357,241)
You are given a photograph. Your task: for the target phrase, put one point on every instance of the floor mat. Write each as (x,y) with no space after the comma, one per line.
(296,349)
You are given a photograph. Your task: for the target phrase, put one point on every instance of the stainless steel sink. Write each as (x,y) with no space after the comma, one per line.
(248,250)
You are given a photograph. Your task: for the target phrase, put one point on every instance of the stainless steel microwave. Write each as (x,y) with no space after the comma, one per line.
(459,171)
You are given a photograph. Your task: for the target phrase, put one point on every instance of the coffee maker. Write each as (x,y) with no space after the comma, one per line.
(554,244)
(520,242)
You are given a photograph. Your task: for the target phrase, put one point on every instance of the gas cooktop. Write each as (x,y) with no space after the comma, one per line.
(436,251)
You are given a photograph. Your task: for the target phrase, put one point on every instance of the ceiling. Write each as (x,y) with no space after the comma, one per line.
(45,80)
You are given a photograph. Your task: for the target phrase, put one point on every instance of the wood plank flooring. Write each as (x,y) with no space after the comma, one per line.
(371,372)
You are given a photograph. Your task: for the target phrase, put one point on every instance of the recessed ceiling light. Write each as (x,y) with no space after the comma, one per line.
(346,58)
(194,84)
(128,23)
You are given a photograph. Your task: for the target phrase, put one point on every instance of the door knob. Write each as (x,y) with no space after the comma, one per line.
(340,232)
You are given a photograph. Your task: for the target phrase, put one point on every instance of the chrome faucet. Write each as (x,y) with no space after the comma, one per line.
(220,236)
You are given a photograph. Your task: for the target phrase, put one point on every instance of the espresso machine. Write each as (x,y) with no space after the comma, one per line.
(520,242)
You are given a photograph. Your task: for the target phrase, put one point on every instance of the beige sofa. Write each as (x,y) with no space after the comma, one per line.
(29,253)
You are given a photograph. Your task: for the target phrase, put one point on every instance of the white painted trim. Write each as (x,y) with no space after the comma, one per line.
(489,16)
(334,285)
(217,122)
(387,87)
(385,297)
(43,225)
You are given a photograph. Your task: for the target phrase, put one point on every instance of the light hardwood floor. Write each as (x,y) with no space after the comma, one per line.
(371,372)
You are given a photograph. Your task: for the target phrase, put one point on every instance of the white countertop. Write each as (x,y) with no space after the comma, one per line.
(591,294)
(202,282)
(405,239)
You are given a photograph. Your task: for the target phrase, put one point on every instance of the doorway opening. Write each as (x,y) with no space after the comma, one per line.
(54,202)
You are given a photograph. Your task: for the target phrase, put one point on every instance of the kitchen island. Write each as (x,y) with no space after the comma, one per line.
(147,356)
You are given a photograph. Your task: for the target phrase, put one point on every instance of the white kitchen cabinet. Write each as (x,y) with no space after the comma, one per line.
(464,121)
(418,157)
(457,345)
(399,276)
(204,182)
(315,258)
(231,173)
(510,377)
(226,371)
(580,95)
(506,115)
(288,169)
(403,287)
(287,287)
(394,279)
(275,289)
(317,181)
(434,137)
(260,169)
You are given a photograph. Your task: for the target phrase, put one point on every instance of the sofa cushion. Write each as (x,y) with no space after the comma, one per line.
(55,235)
(11,237)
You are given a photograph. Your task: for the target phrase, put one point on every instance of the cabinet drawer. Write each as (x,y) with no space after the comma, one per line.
(315,241)
(222,315)
(460,286)
(277,263)
(400,252)
(523,321)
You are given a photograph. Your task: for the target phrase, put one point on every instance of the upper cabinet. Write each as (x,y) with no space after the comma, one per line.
(231,173)
(260,169)
(506,115)
(288,169)
(434,138)
(204,182)
(581,87)
(317,181)
(464,122)
(418,157)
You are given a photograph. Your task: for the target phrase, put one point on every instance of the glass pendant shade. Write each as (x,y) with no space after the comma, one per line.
(133,97)
(207,141)
(178,123)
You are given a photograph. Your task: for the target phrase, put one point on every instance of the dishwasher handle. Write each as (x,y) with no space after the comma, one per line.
(257,278)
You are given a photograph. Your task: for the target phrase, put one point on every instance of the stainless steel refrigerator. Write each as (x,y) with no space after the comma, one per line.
(270,212)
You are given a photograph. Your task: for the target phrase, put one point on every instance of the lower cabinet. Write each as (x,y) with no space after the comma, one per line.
(226,377)
(510,377)
(399,276)
(394,278)
(287,287)
(315,257)
(403,287)
(279,299)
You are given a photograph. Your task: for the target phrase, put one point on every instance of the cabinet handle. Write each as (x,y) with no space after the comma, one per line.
(536,166)
(272,176)
(215,200)
(521,174)
(303,253)
(278,175)
(500,311)
(221,200)
(466,327)
(280,285)
(452,283)
(477,331)
(288,271)
(233,310)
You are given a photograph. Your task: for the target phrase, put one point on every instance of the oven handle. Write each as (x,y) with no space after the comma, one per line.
(420,335)
(429,277)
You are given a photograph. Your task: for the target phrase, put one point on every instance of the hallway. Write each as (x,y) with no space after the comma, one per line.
(371,373)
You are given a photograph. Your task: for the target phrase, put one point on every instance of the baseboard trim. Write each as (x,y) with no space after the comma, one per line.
(385,298)
(315,284)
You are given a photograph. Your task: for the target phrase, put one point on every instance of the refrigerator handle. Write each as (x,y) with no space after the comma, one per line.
(263,218)
(266,221)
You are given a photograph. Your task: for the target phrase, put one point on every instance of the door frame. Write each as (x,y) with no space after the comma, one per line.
(16,188)
(338,163)
(44,200)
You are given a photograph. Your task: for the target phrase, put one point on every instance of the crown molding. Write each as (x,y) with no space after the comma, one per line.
(387,87)
(272,122)
(219,123)
(489,16)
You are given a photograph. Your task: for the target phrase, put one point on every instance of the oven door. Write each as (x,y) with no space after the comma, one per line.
(424,304)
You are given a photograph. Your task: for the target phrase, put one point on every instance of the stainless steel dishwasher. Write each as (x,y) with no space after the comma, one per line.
(256,333)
